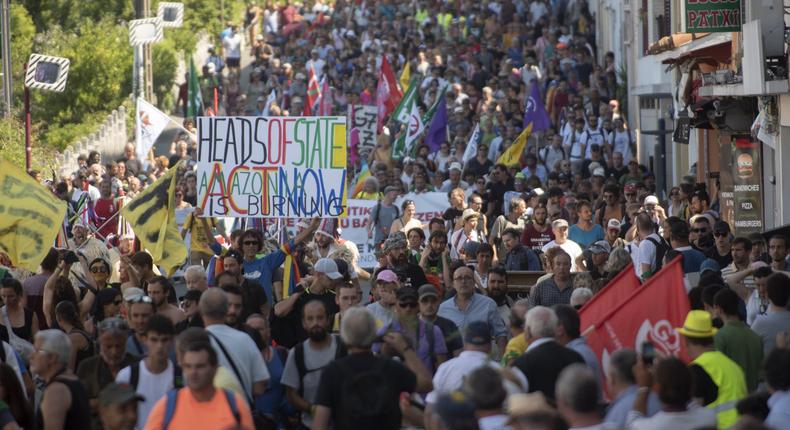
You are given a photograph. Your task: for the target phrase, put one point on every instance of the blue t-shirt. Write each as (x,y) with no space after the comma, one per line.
(585,238)
(261,270)
(273,399)
(692,259)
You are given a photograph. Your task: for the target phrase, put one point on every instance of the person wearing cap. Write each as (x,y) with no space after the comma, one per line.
(118,407)
(383,215)
(468,233)
(721,251)
(454,178)
(397,254)
(612,236)
(426,338)
(718,380)
(451,374)
(320,287)
(652,207)
(594,259)
(429,301)
(329,243)
(383,308)
(560,229)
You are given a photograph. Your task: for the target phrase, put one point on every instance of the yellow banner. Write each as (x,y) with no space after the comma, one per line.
(152,216)
(405,76)
(512,157)
(30,217)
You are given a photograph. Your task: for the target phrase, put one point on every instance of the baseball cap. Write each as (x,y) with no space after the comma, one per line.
(387,275)
(406,294)
(117,394)
(709,265)
(599,171)
(557,223)
(132,293)
(469,213)
(456,410)
(455,166)
(651,200)
(613,224)
(721,227)
(427,290)
(477,333)
(390,188)
(328,267)
(600,247)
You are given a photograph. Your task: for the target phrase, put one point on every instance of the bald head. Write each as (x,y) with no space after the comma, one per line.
(213,306)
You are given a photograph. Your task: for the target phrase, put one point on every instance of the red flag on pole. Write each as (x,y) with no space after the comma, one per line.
(617,291)
(313,94)
(387,93)
(649,315)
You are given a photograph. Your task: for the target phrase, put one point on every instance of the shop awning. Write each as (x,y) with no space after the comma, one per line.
(672,49)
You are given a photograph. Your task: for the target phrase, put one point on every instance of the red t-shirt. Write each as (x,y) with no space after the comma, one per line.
(104,210)
(534,239)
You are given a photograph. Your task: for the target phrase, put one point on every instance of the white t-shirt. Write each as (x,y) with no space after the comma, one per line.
(152,386)
(242,351)
(621,143)
(646,254)
(232,45)
(572,248)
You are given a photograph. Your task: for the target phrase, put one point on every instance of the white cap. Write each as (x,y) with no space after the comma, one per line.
(599,172)
(328,267)
(455,166)
(651,200)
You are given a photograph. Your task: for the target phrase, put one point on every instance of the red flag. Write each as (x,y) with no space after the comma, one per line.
(649,315)
(326,102)
(313,94)
(617,291)
(387,93)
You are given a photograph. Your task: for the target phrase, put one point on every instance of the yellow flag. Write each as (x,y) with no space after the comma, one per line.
(152,217)
(30,217)
(512,157)
(405,75)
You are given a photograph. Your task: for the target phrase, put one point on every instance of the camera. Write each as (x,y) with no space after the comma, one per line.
(648,353)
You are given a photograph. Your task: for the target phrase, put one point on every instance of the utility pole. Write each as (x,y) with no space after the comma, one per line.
(8,88)
(145,68)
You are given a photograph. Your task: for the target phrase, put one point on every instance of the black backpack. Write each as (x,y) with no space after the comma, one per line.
(661,249)
(301,367)
(134,377)
(367,399)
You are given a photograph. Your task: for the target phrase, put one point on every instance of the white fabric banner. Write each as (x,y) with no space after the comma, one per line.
(150,122)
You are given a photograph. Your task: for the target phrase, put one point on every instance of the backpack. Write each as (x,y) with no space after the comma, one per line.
(430,336)
(301,367)
(134,377)
(172,400)
(367,397)
(661,249)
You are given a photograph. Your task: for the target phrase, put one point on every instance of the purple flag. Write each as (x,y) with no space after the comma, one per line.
(437,132)
(535,112)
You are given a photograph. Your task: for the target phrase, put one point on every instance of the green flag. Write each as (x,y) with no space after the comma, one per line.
(408,113)
(194,99)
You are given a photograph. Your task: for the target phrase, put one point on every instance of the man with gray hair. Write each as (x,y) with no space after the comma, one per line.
(577,398)
(580,297)
(545,358)
(235,349)
(623,388)
(195,278)
(64,403)
(362,390)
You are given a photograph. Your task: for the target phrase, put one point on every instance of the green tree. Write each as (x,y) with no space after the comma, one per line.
(71,14)
(22,33)
(165,63)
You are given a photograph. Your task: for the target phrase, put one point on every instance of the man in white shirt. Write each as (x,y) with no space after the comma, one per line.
(232,47)
(621,140)
(576,142)
(647,257)
(315,63)
(450,375)
(155,375)
(595,136)
(560,229)
(235,349)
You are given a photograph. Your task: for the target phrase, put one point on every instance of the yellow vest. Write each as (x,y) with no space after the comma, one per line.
(731,384)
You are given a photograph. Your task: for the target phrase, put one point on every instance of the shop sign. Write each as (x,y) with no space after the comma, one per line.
(712,16)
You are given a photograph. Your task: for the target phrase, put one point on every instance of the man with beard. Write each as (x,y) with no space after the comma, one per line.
(408,273)
(286,329)
(253,295)
(701,234)
(328,243)
(158,289)
(435,260)
(497,291)
(306,361)
(777,250)
(518,256)
(538,232)
(234,318)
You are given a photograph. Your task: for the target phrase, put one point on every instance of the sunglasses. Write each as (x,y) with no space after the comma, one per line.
(408,305)
(251,242)
(99,269)
(141,299)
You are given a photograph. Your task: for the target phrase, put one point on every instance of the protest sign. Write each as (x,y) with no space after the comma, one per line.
(272,167)
(30,217)
(363,119)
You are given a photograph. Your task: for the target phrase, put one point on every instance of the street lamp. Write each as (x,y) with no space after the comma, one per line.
(42,72)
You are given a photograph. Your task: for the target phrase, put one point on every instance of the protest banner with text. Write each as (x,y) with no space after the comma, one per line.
(272,167)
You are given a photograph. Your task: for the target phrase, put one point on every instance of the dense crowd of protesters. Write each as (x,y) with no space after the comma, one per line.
(99,339)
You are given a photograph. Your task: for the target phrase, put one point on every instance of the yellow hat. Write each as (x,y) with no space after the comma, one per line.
(697,324)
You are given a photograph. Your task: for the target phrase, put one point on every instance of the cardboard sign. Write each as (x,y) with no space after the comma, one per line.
(272,167)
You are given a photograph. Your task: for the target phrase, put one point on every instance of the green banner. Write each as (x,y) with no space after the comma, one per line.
(712,16)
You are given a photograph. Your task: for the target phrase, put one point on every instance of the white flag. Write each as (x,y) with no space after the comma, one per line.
(269,102)
(150,122)
(471,146)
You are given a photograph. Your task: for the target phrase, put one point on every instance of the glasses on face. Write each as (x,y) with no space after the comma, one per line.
(251,242)
(407,305)
(721,234)
(98,269)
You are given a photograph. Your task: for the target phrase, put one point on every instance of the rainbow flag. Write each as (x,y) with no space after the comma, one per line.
(363,175)
(291,275)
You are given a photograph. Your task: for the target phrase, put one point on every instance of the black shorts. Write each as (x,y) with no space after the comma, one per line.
(233,62)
